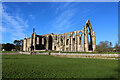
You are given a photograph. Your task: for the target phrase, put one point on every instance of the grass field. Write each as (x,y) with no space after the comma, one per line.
(45,66)
(9,51)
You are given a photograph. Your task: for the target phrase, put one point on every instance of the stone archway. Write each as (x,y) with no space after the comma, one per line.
(90,48)
(89,36)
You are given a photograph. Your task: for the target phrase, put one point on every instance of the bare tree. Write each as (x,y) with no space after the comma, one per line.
(104,46)
(117,47)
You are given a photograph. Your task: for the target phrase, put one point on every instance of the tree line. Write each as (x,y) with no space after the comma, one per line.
(16,45)
(106,46)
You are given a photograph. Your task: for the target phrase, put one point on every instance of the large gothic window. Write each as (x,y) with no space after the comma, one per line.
(89,38)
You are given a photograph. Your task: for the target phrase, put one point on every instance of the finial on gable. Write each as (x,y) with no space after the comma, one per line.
(88,21)
(33,30)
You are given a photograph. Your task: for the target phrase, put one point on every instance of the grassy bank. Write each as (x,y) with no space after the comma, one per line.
(9,51)
(45,66)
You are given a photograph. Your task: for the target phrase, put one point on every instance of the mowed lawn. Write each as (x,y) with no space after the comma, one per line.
(45,66)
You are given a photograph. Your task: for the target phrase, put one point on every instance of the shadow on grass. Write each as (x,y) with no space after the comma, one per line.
(13,58)
(115,76)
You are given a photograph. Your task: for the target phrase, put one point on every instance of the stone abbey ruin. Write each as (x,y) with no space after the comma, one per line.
(76,41)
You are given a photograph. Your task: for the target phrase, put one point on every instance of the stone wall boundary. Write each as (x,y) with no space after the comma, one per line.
(77,55)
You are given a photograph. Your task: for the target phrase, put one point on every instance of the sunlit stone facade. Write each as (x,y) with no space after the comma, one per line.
(76,41)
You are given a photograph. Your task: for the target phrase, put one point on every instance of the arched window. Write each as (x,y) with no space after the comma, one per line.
(73,34)
(73,38)
(88,30)
(55,37)
(67,35)
(81,40)
(67,39)
(54,47)
(89,38)
(61,42)
(80,32)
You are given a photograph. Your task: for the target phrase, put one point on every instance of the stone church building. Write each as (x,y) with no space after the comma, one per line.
(76,41)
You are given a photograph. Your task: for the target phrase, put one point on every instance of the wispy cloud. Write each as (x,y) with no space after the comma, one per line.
(14,25)
(65,16)
(63,21)
(62,7)
(31,17)
(65,6)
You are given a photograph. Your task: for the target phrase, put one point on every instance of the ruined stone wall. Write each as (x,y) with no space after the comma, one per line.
(28,44)
(70,41)
(82,41)
(24,44)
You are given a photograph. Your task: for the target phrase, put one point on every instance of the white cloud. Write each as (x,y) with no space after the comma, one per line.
(14,25)
(2,29)
(67,11)
(31,17)
(63,21)
(62,7)
(65,6)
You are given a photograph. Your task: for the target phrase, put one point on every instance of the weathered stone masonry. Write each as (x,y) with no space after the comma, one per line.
(82,40)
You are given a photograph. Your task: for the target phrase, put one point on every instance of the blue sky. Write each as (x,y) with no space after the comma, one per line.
(18,19)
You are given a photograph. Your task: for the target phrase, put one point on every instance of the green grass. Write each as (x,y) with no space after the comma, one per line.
(48,51)
(45,66)
(9,51)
